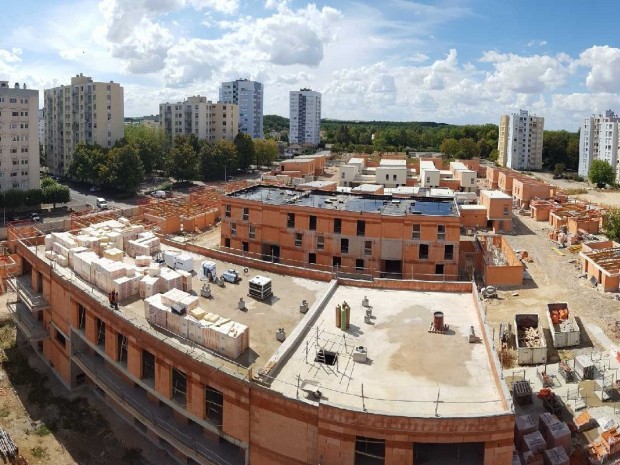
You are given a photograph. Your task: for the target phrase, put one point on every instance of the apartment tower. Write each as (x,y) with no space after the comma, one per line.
(521,141)
(201,117)
(598,140)
(305,117)
(19,137)
(83,112)
(248,95)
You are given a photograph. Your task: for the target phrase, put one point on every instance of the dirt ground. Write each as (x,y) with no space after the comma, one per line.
(50,427)
(600,196)
(555,278)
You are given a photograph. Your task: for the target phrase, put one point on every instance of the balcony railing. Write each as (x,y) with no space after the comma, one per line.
(29,324)
(190,441)
(32,299)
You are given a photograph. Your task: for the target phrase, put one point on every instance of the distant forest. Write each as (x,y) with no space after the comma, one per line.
(463,141)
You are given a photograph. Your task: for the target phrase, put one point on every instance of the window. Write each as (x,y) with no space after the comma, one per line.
(441,232)
(179,387)
(312,226)
(415,232)
(448,253)
(246,213)
(100,333)
(505,211)
(227,212)
(393,177)
(423,251)
(214,406)
(252,234)
(81,317)
(438,269)
(359,264)
(298,238)
(312,258)
(148,365)
(361,228)
(337,225)
(290,220)
(344,245)
(387,177)
(320,243)
(336,262)
(369,451)
(233,229)
(121,349)
(61,338)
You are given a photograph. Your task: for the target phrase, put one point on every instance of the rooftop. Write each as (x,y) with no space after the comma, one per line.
(380,204)
(608,259)
(495,194)
(409,371)
(393,162)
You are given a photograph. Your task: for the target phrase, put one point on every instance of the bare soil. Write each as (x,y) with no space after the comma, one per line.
(606,197)
(555,278)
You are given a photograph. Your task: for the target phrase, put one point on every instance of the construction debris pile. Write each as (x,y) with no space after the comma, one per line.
(178,312)
(528,336)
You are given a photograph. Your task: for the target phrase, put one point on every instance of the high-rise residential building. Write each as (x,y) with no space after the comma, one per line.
(201,117)
(249,96)
(598,140)
(84,111)
(19,137)
(305,117)
(41,131)
(521,141)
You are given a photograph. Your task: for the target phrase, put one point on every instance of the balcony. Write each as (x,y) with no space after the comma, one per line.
(22,285)
(27,322)
(189,439)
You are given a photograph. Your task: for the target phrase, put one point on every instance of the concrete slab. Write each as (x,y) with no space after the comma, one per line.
(408,368)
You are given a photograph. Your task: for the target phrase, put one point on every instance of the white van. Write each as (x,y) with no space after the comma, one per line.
(159,194)
(101,203)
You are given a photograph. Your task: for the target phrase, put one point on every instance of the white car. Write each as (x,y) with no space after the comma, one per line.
(159,194)
(102,203)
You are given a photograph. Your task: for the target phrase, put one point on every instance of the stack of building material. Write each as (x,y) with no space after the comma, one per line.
(48,242)
(153,269)
(556,456)
(584,422)
(524,424)
(74,251)
(169,279)
(145,244)
(106,271)
(186,280)
(143,260)
(557,435)
(516,458)
(584,367)
(173,296)
(533,447)
(113,254)
(83,265)
(611,441)
(126,287)
(597,453)
(149,285)
(155,311)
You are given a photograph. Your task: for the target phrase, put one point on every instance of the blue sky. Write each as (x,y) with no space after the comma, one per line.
(451,61)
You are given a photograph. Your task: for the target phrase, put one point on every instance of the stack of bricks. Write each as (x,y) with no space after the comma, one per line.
(533,447)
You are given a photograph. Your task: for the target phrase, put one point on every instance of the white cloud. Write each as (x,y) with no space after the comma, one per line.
(537,43)
(604,64)
(418,57)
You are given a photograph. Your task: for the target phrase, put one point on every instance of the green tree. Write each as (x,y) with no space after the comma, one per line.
(611,224)
(183,160)
(572,153)
(494,155)
(150,143)
(56,193)
(90,164)
(245,150)
(126,168)
(601,173)
(449,147)
(468,148)
(266,152)
(218,160)
(33,197)
(559,169)
(484,148)
(14,198)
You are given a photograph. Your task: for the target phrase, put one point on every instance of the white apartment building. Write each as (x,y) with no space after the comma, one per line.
(467,178)
(391,172)
(84,111)
(523,151)
(41,131)
(429,175)
(248,95)
(201,117)
(19,137)
(598,140)
(305,117)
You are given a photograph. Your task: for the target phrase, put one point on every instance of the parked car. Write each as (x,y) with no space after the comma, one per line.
(35,217)
(102,203)
(231,276)
(159,194)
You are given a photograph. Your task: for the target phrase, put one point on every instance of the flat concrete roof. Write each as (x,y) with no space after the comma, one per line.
(368,188)
(408,368)
(495,194)
(472,207)
(318,184)
(379,204)
(392,162)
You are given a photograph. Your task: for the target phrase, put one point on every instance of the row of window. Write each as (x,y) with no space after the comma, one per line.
(14,100)
(214,399)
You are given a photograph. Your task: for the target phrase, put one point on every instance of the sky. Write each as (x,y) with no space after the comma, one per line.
(451,61)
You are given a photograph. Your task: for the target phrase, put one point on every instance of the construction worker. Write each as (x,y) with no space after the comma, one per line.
(111,298)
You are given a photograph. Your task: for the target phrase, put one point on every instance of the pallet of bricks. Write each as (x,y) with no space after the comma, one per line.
(605,448)
(145,244)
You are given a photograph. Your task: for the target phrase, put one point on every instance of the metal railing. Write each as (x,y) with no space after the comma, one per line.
(33,328)
(139,403)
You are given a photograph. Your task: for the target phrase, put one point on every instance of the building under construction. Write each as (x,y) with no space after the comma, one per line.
(339,393)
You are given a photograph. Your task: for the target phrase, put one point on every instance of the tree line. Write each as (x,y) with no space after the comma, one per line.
(144,151)
(50,192)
